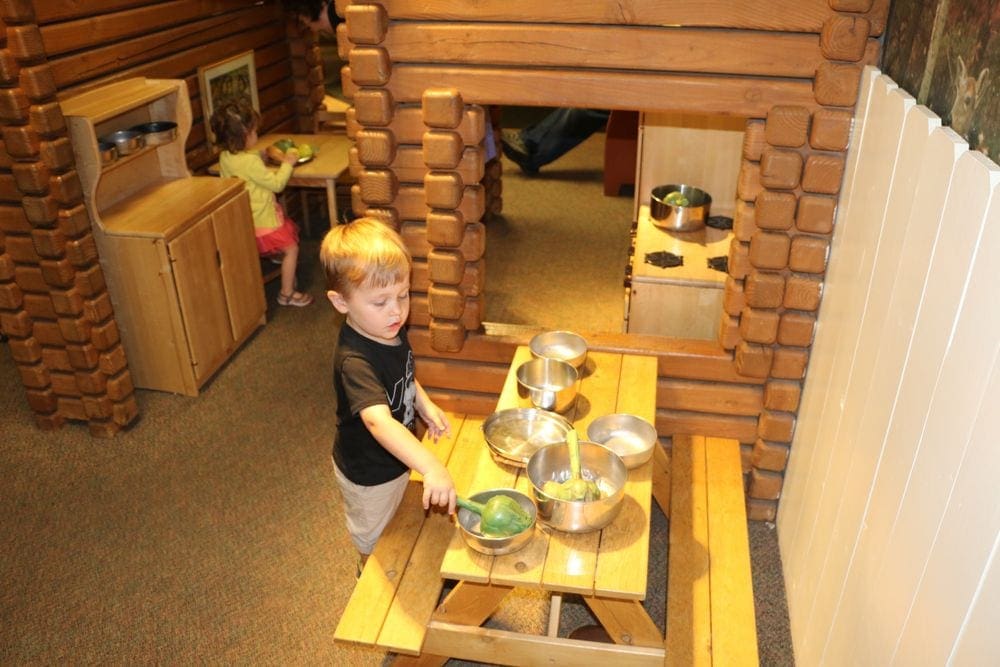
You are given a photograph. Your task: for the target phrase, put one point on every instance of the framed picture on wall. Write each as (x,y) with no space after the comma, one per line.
(228,80)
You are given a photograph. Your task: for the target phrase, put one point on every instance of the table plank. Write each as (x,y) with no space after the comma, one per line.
(734,628)
(460,562)
(689,624)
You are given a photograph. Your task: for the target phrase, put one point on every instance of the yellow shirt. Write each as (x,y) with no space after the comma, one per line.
(261,182)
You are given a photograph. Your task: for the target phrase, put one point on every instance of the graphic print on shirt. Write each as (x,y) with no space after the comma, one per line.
(403,393)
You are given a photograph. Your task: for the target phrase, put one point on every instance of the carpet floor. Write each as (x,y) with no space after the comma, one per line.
(210,531)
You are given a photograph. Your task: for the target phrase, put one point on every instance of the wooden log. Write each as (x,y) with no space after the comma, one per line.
(461,376)
(365,24)
(686,49)
(780,169)
(726,96)
(803,292)
(808,254)
(370,66)
(815,214)
(759,325)
(769,250)
(407,124)
(764,289)
(823,174)
(796,329)
(774,210)
(409,165)
(845,37)
(671,422)
(782,15)
(710,397)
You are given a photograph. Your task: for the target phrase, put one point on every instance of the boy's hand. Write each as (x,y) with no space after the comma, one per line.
(439,489)
(437,421)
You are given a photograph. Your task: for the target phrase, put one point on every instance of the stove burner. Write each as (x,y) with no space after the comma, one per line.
(719,222)
(720,263)
(664,259)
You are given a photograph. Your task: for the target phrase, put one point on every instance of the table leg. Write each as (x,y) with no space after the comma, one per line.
(331,201)
(304,204)
(661,479)
(625,621)
(467,604)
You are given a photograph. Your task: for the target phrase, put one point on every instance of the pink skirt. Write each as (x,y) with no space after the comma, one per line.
(274,241)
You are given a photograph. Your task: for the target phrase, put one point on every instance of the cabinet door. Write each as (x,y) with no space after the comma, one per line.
(240,266)
(202,298)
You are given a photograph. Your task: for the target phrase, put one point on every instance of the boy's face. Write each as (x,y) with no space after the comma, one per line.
(375,312)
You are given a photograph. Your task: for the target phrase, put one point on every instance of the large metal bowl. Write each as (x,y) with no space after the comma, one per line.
(468,525)
(549,383)
(562,345)
(597,463)
(516,433)
(687,218)
(630,437)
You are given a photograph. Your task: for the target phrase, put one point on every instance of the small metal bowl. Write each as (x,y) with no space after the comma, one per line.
(563,345)
(549,383)
(468,525)
(108,151)
(126,141)
(515,434)
(630,437)
(687,218)
(597,463)
(157,132)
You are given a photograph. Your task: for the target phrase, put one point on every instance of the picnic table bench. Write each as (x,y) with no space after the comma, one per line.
(396,603)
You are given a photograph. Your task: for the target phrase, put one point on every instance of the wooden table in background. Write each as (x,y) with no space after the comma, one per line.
(321,172)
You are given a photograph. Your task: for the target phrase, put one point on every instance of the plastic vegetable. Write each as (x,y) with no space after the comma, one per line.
(576,487)
(500,516)
(284,144)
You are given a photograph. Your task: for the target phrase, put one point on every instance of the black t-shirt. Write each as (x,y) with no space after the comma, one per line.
(366,373)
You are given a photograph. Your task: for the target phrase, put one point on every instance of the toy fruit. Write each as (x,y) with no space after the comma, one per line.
(500,516)
(284,144)
(675,198)
(305,151)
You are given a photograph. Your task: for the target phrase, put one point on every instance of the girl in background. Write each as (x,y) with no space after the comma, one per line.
(235,128)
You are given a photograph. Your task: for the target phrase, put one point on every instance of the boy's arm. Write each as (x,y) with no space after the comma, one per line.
(433,416)
(439,489)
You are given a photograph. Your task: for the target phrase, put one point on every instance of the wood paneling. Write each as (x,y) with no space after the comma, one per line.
(888,526)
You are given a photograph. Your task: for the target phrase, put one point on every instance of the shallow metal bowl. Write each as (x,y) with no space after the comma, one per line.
(468,525)
(157,132)
(679,218)
(126,141)
(597,463)
(630,437)
(550,384)
(517,433)
(562,345)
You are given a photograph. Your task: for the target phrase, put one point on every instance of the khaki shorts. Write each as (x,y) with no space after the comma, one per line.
(369,508)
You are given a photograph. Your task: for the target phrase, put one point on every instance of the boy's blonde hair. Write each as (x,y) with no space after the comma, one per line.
(365,252)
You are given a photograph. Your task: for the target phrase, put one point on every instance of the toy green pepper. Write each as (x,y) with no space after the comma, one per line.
(500,516)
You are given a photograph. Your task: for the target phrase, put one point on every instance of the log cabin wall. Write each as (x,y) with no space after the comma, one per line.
(419,74)
(54,305)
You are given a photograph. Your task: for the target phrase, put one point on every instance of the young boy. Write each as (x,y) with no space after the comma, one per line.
(368,278)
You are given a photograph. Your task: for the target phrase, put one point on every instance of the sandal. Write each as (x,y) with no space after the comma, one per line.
(295,299)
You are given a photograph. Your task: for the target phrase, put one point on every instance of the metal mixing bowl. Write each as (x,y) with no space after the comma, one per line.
(517,433)
(126,141)
(563,345)
(630,437)
(597,463)
(687,218)
(468,525)
(549,383)
(108,151)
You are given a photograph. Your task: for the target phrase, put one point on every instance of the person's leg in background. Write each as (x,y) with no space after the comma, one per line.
(552,137)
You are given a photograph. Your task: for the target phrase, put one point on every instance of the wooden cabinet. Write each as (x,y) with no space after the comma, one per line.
(178,251)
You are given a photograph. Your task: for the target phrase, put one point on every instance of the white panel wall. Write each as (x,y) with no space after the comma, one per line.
(890,520)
